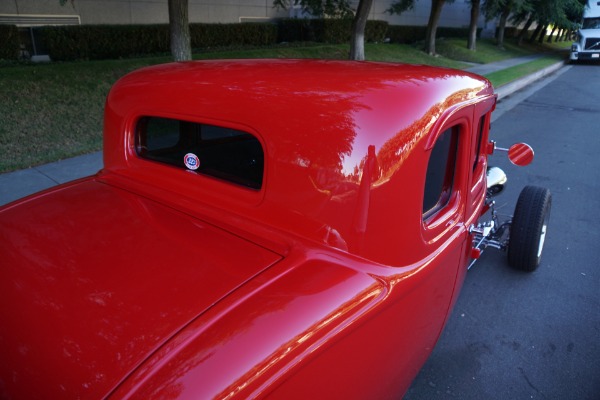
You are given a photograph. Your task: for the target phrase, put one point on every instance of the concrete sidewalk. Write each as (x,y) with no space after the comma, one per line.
(14,185)
(497,66)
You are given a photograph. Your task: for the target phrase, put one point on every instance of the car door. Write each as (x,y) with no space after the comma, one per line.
(445,201)
(479,139)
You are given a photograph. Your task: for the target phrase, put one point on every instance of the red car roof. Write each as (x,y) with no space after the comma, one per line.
(318,122)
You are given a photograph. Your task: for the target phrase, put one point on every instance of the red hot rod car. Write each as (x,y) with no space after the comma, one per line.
(273,228)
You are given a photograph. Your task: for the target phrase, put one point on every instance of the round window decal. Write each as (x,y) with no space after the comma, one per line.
(191,161)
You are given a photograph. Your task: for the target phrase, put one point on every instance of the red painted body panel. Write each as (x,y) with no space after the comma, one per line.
(97,278)
(299,326)
(148,280)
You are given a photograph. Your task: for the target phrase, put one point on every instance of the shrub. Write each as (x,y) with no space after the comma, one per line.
(96,42)
(222,35)
(295,30)
(406,34)
(412,34)
(327,30)
(445,32)
(9,42)
(376,31)
(513,32)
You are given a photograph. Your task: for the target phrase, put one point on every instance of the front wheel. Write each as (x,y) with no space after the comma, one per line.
(528,228)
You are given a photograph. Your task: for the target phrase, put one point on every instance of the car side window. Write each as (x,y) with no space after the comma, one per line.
(440,172)
(224,153)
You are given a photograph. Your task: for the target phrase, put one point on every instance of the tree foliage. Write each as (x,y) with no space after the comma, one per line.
(319,8)
(564,14)
(400,6)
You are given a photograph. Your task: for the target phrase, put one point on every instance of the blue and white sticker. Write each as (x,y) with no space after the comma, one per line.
(191,161)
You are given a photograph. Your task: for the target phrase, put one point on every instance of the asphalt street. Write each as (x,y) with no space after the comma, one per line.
(515,335)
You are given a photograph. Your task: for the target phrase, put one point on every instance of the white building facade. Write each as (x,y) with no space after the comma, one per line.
(28,13)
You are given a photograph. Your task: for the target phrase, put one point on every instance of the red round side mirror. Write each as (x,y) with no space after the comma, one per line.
(520,154)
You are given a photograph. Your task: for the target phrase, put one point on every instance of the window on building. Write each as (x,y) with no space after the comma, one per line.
(440,172)
(224,153)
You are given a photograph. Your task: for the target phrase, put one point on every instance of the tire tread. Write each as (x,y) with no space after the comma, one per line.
(530,211)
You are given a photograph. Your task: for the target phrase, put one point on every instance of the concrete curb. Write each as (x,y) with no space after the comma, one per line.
(510,88)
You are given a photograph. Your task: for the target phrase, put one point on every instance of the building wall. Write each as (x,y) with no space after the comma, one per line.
(209,11)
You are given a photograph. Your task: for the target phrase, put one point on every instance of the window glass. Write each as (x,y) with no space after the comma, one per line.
(479,139)
(591,23)
(440,172)
(223,153)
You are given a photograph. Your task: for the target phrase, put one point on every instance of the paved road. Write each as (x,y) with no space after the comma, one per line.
(535,336)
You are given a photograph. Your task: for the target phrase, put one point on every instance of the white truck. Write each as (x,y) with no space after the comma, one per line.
(587,44)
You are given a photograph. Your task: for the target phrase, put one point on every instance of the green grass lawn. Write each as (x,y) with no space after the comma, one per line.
(54,111)
(508,75)
(487,51)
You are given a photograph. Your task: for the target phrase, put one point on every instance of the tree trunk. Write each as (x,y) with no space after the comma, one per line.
(434,18)
(502,26)
(179,27)
(554,28)
(524,30)
(536,32)
(472,41)
(558,35)
(542,35)
(357,45)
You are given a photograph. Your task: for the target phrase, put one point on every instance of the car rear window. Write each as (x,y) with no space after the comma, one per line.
(224,153)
